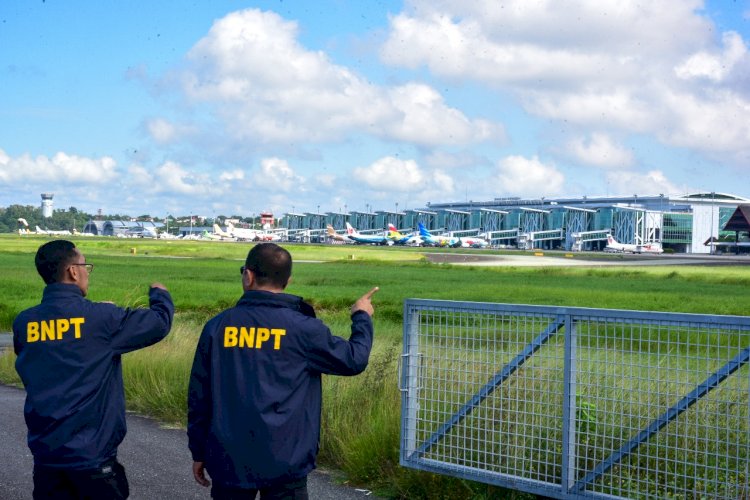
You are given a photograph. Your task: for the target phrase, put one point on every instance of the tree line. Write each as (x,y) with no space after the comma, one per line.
(72,218)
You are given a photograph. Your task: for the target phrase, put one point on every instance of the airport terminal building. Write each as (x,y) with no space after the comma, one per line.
(691,223)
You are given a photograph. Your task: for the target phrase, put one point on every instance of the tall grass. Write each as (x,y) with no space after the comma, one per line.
(360,434)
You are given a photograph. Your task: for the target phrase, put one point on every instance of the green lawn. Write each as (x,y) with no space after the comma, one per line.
(361,414)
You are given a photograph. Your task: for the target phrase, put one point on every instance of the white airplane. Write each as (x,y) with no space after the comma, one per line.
(39,230)
(251,234)
(220,234)
(332,234)
(371,239)
(23,226)
(473,242)
(613,244)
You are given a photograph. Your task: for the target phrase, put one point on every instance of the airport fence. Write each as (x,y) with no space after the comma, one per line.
(577,403)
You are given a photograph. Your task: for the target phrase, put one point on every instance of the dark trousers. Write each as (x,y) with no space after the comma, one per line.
(106,482)
(295,490)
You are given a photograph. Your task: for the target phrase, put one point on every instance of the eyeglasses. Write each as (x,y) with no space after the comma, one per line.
(89,267)
(242,270)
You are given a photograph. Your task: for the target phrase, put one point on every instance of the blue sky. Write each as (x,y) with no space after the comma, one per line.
(228,107)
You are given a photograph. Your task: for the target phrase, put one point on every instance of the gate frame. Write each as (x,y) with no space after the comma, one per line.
(409,376)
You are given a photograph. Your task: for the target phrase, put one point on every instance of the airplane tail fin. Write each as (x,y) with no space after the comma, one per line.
(391,227)
(329,230)
(423,230)
(349,229)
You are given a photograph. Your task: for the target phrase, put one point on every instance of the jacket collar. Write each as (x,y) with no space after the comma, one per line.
(59,290)
(271,299)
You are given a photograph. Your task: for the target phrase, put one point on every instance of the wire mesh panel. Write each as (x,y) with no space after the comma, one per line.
(578,403)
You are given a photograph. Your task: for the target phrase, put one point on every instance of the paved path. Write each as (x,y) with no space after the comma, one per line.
(156,459)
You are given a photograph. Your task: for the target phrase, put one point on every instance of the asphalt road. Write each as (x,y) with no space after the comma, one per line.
(156,460)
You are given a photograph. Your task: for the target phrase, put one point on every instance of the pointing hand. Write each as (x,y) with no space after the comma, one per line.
(364,303)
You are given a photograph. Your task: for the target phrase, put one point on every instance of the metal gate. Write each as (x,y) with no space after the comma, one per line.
(577,403)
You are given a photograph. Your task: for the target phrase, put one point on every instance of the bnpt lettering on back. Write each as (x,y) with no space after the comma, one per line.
(53,329)
(252,337)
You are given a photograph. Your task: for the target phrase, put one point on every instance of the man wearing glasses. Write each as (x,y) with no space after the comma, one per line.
(69,351)
(254,396)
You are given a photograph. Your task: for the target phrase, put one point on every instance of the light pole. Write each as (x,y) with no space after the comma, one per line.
(711,236)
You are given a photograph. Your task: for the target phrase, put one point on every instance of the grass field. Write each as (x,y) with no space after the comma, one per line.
(361,414)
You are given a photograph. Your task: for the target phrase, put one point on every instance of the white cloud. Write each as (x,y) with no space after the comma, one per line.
(443,183)
(715,66)
(276,174)
(161,130)
(718,121)
(141,177)
(171,177)
(604,64)
(231,176)
(650,183)
(391,174)
(599,150)
(61,169)
(447,160)
(536,43)
(527,177)
(264,87)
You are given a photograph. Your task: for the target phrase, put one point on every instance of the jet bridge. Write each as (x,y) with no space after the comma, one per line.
(637,226)
(363,221)
(579,221)
(414,217)
(386,217)
(338,220)
(455,220)
(490,220)
(294,221)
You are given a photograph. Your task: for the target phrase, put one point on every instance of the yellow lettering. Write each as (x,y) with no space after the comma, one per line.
(77,322)
(247,337)
(263,335)
(277,334)
(48,330)
(230,336)
(32,331)
(63,325)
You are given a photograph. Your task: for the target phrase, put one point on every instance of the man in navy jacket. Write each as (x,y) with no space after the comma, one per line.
(69,351)
(254,396)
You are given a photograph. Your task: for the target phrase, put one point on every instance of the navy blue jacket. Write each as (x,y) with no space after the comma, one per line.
(69,361)
(255,389)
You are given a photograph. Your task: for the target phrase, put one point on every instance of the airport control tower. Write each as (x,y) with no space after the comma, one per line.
(47,204)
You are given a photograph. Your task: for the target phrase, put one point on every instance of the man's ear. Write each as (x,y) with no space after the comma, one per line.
(248,279)
(71,274)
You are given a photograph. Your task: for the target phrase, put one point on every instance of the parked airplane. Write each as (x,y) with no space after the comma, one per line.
(411,239)
(613,244)
(371,239)
(331,232)
(250,234)
(473,242)
(220,234)
(23,226)
(39,230)
(437,240)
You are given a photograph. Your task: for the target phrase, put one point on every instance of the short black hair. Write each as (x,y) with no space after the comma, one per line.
(52,258)
(270,263)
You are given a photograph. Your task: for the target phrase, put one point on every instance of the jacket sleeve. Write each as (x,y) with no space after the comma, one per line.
(199,398)
(142,327)
(333,355)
